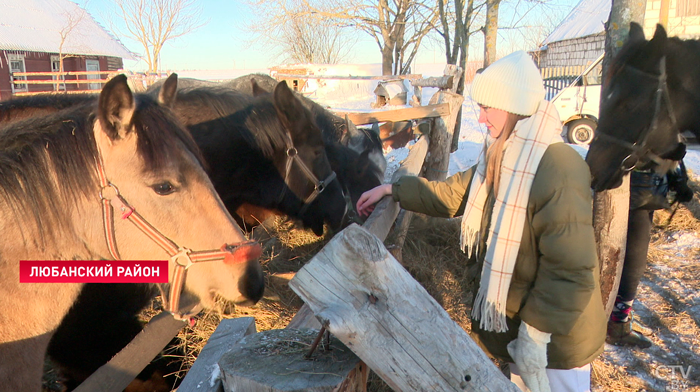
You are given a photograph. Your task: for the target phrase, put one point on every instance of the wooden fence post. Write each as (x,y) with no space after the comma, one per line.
(441,136)
(373,305)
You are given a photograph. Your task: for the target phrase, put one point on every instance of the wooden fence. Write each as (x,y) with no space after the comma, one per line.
(80,79)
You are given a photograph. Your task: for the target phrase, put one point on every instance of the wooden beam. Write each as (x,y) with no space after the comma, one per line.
(69,73)
(441,136)
(274,361)
(348,77)
(373,305)
(441,82)
(228,333)
(116,375)
(359,118)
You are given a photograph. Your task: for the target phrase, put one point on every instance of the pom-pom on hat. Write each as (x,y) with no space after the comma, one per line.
(512,83)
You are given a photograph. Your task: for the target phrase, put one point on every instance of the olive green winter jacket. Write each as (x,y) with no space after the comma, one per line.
(555,286)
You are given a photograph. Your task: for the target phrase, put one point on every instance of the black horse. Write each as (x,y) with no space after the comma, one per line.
(651,94)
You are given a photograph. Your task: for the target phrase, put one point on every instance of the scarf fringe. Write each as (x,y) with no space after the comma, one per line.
(491,315)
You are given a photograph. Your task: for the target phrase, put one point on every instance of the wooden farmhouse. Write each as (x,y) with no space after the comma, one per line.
(36,34)
(579,39)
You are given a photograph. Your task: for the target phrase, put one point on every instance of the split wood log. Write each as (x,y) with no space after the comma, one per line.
(359,118)
(116,374)
(438,160)
(441,82)
(610,215)
(379,222)
(457,72)
(374,306)
(273,360)
(203,376)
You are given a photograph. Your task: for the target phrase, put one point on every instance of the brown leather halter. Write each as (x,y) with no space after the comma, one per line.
(181,257)
(292,156)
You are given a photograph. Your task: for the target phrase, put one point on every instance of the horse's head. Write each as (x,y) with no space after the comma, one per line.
(305,165)
(637,123)
(156,167)
(356,173)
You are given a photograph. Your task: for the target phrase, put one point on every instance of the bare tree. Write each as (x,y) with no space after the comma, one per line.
(300,36)
(72,17)
(397,26)
(155,22)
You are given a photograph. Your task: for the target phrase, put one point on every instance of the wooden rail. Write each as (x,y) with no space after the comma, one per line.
(430,111)
(348,77)
(67,73)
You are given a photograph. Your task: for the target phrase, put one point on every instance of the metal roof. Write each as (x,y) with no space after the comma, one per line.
(587,18)
(35,26)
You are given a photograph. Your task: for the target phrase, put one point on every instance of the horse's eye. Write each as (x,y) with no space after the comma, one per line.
(164,188)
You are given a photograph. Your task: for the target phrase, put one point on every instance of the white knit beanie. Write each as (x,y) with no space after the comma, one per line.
(512,83)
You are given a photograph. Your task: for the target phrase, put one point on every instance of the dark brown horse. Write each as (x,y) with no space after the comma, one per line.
(651,94)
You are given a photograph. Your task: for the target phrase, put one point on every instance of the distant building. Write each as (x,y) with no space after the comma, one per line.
(580,38)
(30,38)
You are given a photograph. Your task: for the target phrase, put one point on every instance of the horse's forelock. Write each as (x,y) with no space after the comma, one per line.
(160,135)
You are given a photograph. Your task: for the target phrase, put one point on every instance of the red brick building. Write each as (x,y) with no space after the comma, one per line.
(35,34)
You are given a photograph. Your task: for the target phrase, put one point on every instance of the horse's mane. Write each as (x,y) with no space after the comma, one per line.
(23,107)
(254,118)
(47,162)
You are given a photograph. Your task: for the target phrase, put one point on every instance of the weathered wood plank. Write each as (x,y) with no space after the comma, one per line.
(359,118)
(610,215)
(374,306)
(349,77)
(441,135)
(115,375)
(274,360)
(228,333)
(441,82)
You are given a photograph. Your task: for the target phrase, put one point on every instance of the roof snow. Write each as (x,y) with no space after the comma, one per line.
(35,26)
(587,18)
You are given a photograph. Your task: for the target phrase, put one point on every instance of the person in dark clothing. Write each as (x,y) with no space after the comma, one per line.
(648,192)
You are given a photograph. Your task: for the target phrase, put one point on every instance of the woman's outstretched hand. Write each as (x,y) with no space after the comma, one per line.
(366,202)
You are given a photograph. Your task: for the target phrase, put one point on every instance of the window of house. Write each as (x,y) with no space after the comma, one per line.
(56,67)
(688,8)
(17,65)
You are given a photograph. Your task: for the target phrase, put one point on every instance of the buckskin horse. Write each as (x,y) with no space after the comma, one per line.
(60,174)
(651,94)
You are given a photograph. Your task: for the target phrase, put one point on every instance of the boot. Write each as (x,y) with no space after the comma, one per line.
(622,334)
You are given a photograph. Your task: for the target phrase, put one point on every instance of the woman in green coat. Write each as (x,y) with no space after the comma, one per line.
(527,218)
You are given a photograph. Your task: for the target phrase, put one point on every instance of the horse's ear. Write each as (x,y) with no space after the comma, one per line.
(289,108)
(257,90)
(659,35)
(116,107)
(168,92)
(636,33)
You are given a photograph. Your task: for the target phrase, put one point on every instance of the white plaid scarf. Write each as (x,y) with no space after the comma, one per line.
(521,157)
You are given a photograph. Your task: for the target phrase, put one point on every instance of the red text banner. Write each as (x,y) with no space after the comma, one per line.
(93,271)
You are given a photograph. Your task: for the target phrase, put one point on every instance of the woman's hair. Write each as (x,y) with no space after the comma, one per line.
(494,155)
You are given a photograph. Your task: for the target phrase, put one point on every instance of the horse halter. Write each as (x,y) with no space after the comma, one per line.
(640,149)
(182,258)
(292,155)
